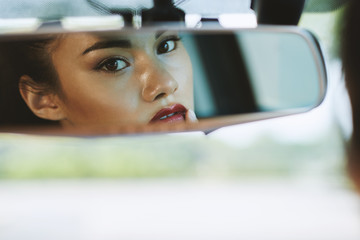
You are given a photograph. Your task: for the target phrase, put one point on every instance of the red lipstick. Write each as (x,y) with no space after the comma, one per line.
(175,113)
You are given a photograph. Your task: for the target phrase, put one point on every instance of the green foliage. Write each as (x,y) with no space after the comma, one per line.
(173,156)
(326,27)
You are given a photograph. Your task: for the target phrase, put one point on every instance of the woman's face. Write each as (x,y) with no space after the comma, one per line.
(141,78)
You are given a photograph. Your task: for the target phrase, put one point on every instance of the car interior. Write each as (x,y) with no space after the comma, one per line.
(237,125)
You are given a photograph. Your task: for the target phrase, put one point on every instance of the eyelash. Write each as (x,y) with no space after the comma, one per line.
(103,63)
(175,39)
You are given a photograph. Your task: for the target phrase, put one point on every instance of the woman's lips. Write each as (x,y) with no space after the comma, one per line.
(175,113)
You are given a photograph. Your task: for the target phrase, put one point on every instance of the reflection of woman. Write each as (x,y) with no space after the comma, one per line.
(83,78)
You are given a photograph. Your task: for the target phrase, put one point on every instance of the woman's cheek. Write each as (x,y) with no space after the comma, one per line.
(179,66)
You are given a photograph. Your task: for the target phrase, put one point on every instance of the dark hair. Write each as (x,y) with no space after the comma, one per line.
(20,57)
(350,53)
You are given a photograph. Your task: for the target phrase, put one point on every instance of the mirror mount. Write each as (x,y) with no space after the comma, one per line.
(278,12)
(164,11)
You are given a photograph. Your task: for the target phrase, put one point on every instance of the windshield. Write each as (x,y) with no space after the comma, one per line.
(51,9)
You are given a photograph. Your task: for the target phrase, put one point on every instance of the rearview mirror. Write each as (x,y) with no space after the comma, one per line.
(156,79)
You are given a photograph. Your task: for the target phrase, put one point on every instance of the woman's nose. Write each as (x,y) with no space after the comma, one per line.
(158,83)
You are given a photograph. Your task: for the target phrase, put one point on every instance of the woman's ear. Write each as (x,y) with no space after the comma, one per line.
(43,104)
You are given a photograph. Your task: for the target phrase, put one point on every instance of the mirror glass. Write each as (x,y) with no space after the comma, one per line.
(147,77)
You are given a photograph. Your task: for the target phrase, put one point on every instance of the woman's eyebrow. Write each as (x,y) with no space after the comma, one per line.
(158,34)
(108,44)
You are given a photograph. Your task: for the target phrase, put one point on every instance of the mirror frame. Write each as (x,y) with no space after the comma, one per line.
(205,125)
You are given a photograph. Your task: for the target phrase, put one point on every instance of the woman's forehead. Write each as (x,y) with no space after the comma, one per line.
(129,36)
(83,43)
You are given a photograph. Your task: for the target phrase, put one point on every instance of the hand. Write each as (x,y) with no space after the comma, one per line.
(190,116)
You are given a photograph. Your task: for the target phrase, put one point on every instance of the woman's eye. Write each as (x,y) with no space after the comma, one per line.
(113,65)
(166,46)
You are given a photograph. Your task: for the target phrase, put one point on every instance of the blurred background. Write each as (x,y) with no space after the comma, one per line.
(282,178)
